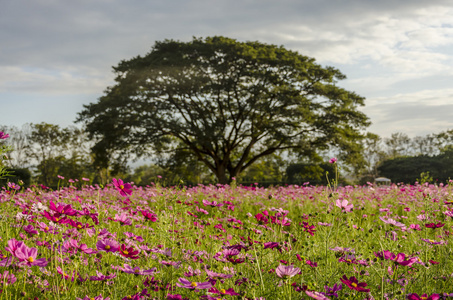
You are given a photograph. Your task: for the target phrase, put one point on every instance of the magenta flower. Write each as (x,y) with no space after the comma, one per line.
(175,297)
(333,160)
(125,189)
(354,284)
(149,216)
(3,135)
(283,271)
(434,225)
(108,245)
(184,283)
(423,297)
(128,252)
(62,209)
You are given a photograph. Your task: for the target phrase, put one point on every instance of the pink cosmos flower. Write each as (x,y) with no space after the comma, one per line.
(393,222)
(316,295)
(213,203)
(108,245)
(128,269)
(229,291)
(333,160)
(212,275)
(283,271)
(415,227)
(134,237)
(191,272)
(184,283)
(125,189)
(175,297)
(27,256)
(30,230)
(123,219)
(13,186)
(101,277)
(343,204)
(432,242)
(7,278)
(95,298)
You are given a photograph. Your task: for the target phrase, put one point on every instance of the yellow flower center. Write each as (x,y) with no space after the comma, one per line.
(121,186)
(107,247)
(125,252)
(354,284)
(56,219)
(136,270)
(431,241)
(79,226)
(222,291)
(47,228)
(91,298)
(30,259)
(423,298)
(193,284)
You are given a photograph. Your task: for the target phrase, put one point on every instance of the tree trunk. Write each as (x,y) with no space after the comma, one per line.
(221,175)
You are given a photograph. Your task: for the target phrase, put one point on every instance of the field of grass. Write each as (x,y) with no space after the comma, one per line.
(226,242)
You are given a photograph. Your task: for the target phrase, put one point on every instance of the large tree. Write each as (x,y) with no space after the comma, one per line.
(229,102)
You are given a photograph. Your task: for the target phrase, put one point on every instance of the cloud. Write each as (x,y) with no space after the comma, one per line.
(23,80)
(396,53)
(417,113)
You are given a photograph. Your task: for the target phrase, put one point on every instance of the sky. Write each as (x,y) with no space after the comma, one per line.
(56,55)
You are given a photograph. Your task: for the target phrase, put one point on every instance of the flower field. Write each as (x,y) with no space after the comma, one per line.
(226,242)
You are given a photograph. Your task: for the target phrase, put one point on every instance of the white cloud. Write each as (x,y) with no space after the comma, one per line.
(52,82)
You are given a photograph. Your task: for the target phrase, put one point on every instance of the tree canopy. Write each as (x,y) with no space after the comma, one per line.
(227,102)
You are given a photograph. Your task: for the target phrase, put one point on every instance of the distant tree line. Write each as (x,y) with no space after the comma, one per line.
(43,151)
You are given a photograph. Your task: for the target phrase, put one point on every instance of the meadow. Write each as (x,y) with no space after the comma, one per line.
(121,241)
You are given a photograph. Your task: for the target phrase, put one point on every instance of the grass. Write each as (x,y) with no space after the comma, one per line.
(395,239)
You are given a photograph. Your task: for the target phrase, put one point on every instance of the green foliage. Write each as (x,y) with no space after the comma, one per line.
(315,173)
(19,176)
(229,103)
(59,151)
(407,169)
